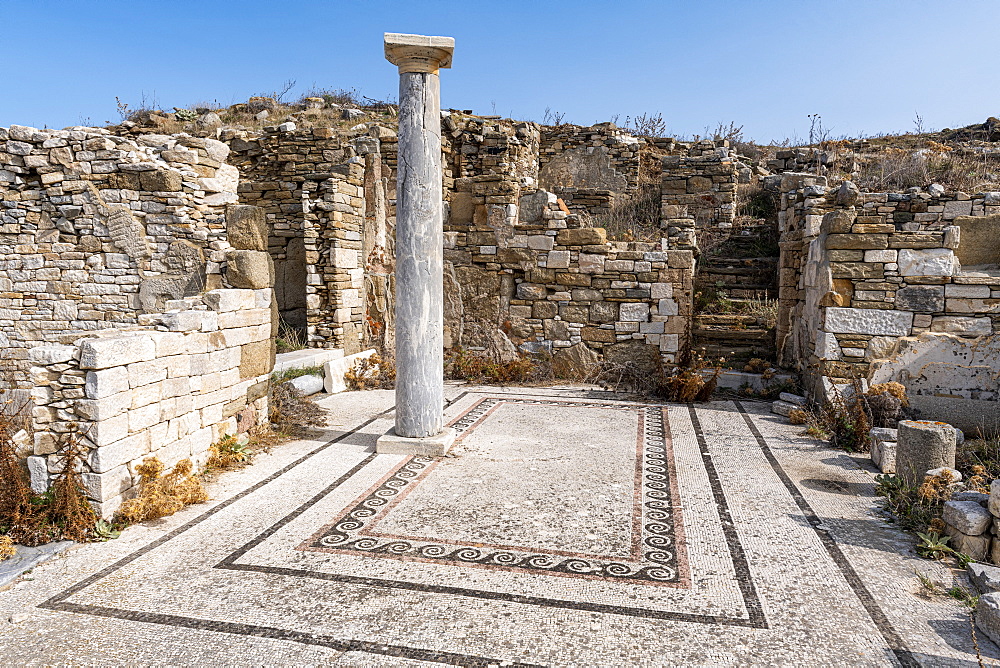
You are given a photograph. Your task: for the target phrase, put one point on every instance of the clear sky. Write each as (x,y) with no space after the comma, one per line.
(866,66)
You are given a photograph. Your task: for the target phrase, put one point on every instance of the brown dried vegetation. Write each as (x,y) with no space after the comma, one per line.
(161,495)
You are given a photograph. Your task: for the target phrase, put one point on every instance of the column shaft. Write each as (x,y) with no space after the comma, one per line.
(419,259)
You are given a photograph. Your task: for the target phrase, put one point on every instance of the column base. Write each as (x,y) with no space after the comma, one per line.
(431,446)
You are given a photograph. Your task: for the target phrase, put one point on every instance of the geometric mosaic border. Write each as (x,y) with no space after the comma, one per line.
(658,552)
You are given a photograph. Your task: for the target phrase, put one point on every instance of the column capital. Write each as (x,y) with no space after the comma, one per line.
(418,53)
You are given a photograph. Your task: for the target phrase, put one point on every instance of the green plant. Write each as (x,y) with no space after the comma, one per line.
(913,508)
(933,545)
(296,372)
(230,450)
(104,531)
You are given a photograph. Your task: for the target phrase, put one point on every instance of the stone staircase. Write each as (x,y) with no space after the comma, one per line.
(738,284)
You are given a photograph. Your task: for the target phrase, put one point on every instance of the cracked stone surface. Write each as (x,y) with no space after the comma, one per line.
(569,527)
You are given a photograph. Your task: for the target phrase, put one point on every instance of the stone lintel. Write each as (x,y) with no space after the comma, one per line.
(418,53)
(431,446)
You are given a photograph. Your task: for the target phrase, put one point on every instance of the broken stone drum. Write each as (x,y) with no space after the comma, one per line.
(923,446)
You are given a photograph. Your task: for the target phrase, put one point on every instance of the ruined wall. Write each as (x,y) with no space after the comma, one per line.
(96,229)
(700,185)
(522,274)
(859,272)
(311,186)
(601,157)
(168,388)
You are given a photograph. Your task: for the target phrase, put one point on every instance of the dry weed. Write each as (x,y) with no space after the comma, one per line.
(7,549)
(798,416)
(162,495)
(291,413)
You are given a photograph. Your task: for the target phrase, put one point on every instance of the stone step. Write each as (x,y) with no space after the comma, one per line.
(725,319)
(724,334)
(739,261)
(738,271)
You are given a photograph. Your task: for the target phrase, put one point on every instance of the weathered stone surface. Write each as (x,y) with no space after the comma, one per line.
(783,407)
(967,516)
(977,547)
(920,298)
(585,167)
(876,322)
(576,362)
(307,384)
(988,616)
(978,240)
(111,351)
(965,326)
(860,241)
(162,180)
(986,579)
(923,446)
(51,354)
(249,269)
(246,227)
(929,262)
(256,359)
(584,236)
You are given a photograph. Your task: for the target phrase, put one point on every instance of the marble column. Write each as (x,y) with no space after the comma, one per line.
(419,248)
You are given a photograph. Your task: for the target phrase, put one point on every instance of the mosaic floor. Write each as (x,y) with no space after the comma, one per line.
(566,528)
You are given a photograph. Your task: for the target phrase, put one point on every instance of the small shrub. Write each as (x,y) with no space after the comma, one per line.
(685,382)
(371,373)
(289,338)
(162,495)
(292,414)
(296,372)
(230,452)
(462,364)
(798,416)
(845,421)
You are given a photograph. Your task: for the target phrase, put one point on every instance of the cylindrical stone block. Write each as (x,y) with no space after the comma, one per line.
(922,446)
(419,259)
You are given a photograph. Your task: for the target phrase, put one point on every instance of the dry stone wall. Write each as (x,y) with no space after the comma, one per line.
(878,276)
(97,229)
(601,157)
(167,388)
(700,185)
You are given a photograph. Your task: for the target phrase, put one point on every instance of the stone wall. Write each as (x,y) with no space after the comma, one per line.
(97,229)
(861,271)
(523,274)
(602,157)
(700,185)
(168,388)
(311,186)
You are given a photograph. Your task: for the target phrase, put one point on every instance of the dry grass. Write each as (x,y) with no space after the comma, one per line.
(462,364)
(374,372)
(7,549)
(292,415)
(161,495)
(635,218)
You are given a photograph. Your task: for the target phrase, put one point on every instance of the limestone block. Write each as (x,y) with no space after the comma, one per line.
(531,291)
(634,312)
(920,298)
(978,240)
(557,260)
(994,503)
(161,180)
(796,399)
(591,264)
(858,241)
(827,347)
(183,321)
(957,208)
(44,355)
(104,383)
(883,434)
(967,516)
(252,269)
(246,227)
(929,262)
(108,431)
(105,352)
(923,446)
(875,322)
(661,291)
(880,256)
(666,307)
(977,547)
(576,361)
(334,371)
(38,472)
(145,373)
(584,236)
(542,242)
(604,312)
(233,299)
(986,579)
(965,326)
(107,485)
(256,359)
(307,384)
(884,456)
(783,407)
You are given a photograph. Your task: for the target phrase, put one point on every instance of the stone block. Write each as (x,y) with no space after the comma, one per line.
(920,298)
(584,236)
(44,355)
(928,262)
(246,227)
(256,359)
(875,322)
(783,407)
(106,382)
(604,312)
(968,517)
(531,291)
(38,473)
(225,301)
(574,313)
(161,180)
(977,547)
(966,326)
(103,486)
(105,352)
(858,241)
(308,384)
(591,264)
(253,270)
(923,446)
(575,362)
(634,312)
(557,260)
(978,244)
(430,446)
(986,579)
(880,255)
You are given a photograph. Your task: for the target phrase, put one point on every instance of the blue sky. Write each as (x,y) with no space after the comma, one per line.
(864,66)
